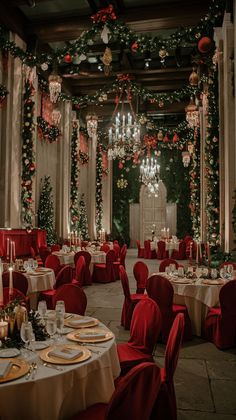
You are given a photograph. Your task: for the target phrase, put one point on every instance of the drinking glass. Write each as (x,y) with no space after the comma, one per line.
(167,270)
(198,272)
(60,307)
(223,273)
(59,323)
(51,326)
(172,268)
(230,270)
(205,272)
(26,265)
(180,271)
(214,273)
(26,335)
(42,308)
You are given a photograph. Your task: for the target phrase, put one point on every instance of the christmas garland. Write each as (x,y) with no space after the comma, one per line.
(83,158)
(194,174)
(74,211)
(3,94)
(99,203)
(48,131)
(212,162)
(106,20)
(28,159)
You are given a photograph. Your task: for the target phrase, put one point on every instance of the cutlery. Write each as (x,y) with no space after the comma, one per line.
(35,368)
(29,373)
(52,366)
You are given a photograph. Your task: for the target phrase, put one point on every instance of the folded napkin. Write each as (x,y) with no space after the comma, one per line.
(80,322)
(5,368)
(91,335)
(66,353)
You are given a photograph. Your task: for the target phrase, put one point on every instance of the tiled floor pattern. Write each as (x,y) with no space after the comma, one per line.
(205,379)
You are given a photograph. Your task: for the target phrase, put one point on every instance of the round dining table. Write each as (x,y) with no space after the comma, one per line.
(97,257)
(57,392)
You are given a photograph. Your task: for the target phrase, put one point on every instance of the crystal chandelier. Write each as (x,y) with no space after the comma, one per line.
(92,124)
(186,159)
(192,114)
(54,81)
(149,175)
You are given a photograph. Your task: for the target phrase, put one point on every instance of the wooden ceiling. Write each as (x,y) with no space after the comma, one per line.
(47,24)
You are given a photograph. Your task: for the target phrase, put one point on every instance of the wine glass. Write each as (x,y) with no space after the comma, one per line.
(198,272)
(26,334)
(51,326)
(60,307)
(59,323)
(42,308)
(214,273)
(26,265)
(223,273)
(180,271)
(230,270)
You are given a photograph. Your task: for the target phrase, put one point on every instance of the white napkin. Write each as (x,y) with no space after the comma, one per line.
(91,335)
(66,353)
(80,322)
(5,368)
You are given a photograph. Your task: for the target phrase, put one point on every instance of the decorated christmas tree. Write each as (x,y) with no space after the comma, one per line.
(45,210)
(83,219)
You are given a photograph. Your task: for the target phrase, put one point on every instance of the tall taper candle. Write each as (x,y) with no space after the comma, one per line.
(10,281)
(8,249)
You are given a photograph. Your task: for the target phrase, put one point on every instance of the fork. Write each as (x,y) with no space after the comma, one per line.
(52,366)
(35,367)
(30,372)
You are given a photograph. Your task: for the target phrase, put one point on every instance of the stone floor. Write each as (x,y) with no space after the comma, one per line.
(205,378)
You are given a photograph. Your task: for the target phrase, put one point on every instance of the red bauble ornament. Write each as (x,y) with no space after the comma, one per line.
(165,139)
(67,58)
(120,165)
(32,167)
(204,45)
(175,138)
(134,47)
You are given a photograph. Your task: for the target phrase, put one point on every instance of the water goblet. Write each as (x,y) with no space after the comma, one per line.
(230,271)
(167,270)
(60,307)
(26,265)
(214,273)
(198,272)
(223,273)
(42,308)
(51,326)
(180,271)
(26,333)
(59,323)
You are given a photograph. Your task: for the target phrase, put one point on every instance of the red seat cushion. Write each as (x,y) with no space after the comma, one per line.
(214,311)
(102,266)
(179,308)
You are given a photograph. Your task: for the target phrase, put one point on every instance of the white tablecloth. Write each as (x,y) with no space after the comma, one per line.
(42,279)
(58,395)
(97,257)
(65,257)
(170,246)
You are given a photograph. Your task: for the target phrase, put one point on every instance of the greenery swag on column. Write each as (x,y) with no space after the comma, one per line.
(28,158)
(99,203)
(45,210)
(83,220)
(212,162)
(194,174)
(74,210)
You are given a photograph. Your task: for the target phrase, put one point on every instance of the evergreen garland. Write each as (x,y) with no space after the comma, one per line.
(3,94)
(28,159)
(83,220)
(194,174)
(212,163)
(99,203)
(45,211)
(48,131)
(74,211)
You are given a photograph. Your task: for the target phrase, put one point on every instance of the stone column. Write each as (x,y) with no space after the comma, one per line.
(107,200)
(91,186)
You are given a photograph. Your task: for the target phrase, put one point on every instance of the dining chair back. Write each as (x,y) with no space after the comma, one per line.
(44,252)
(116,248)
(104,273)
(123,253)
(53,262)
(64,276)
(74,297)
(179,254)
(226,263)
(80,270)
(20,281)
(87,257)
(166,262)
(140,250)
(125,282)
(16,294)
(140,272)
(55,247)
(161,250)
(105,247)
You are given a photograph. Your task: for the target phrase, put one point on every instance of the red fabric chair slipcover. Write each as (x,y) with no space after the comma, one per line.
(228,263)
(121,261)
(33,255)
(130,300)
(104,273)
(165,263)
(53,262)
(144,330)
(44,252)
(105,247)
(220,323)
(161,290)
(87,257)
(179,254)
(140,271)
(64,276)
(148,253)
(116,248)
(16,294)
(79,271)
(74,297)
(133,398)
(140,250)
(165,406)
(161,250)
(55,247)
(20,281)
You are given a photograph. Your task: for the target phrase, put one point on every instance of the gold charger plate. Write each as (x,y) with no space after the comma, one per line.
(46,357)
(75,335)
(19,368)
(181,281)
(88,324)
(215,282)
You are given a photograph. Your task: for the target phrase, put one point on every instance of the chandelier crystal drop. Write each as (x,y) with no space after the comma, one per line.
(55,82)
(56,116)
(149,175)
(192,114)
(92,124)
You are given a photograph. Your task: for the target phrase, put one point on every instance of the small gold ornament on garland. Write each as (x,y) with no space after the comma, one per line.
(107,59)
(122,183)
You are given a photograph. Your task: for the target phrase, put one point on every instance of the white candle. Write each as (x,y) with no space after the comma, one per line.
(3,329)
(190,251)
(11,249)
(10,281)
(1,286)
(8,248)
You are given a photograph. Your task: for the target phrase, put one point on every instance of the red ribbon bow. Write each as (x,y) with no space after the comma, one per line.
(104,14)
(123,77)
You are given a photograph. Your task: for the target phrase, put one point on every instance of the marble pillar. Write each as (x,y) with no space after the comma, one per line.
(91,187)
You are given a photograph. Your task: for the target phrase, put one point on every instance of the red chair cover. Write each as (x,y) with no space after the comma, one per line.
(144,330)
(105,247)
(74,297)
(87,257)
(16,294)
(116,248)
(33,255)
(80,271)
(165,263)
(220,323)
(20,281)
(55,247)
(148,253)
(179,254)
(104,273)
(64,276)
(53,262)
(44,252)
(121,261)
(133,398)
(140,271)
(226,263)
(130,300)
(165,406)
(161,291)
(140,250)
(161,250)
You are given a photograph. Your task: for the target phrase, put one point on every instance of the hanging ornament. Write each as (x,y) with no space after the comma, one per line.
(186,159)
(163,54)
(54,86)
(204,45)
(134,47)
(105,34)
(190,148)
(107,59)
(67,58)
(160,104)
(165,139)
(143,119)
(44,66)
(56,116)
(160,135)
(175,138)
(92,124)
(193,78)
(120,165)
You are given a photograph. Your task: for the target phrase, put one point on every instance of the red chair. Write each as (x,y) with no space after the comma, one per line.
(55,247)
(161,250)
(87,257)
(121,261)
(116,248)
(16,294)
(140,250)
(33,255)
(140,272)
(44,252)
(148,253)
(130,300)
(20,281)
(104,273)
(145,328)
(165,263)
(165,406)
(79,271)
(105,247)
(53,262)
(161,290)
(179,254)
(220,323)
(74,297)
(133,398)
(64,276)
(226,263)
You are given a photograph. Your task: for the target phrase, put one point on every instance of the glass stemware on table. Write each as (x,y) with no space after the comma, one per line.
(51,326)
(27,336)
(60,313)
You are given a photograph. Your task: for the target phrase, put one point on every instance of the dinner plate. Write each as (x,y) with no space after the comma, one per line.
(75,335)
(46,357)
(213,282)
(18,369)
(91,323)
(40,345)
(181,281)
(13,352)
(43,269)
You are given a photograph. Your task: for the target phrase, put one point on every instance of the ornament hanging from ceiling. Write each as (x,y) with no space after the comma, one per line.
(193,78)
(54,87)
(107,59)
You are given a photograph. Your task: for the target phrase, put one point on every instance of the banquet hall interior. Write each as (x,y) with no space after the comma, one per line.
(118,209)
